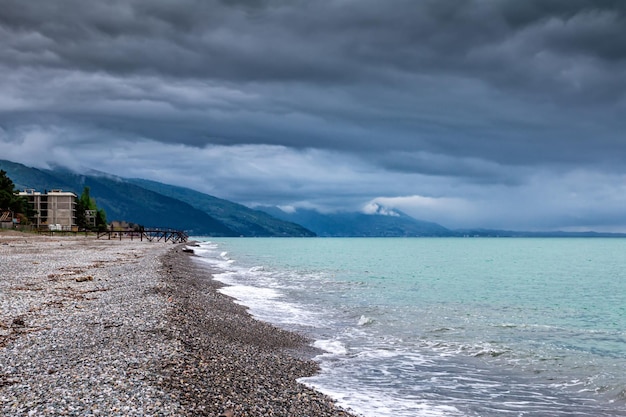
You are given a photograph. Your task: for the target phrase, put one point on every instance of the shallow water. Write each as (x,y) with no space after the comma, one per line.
(432,327)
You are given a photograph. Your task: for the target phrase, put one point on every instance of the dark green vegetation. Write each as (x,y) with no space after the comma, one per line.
(87,204)
(8,198)
(245,221)
(128,201)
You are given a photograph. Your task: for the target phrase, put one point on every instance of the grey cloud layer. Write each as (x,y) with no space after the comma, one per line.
(509,43)
(479,91)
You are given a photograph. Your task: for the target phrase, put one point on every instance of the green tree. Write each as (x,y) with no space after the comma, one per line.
(81,215)
(9,199)
(86,202)
(101,220)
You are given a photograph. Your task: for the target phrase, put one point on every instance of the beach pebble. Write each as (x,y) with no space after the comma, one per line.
(128,328)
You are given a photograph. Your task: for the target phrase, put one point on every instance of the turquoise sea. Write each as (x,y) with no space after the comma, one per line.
(445,327)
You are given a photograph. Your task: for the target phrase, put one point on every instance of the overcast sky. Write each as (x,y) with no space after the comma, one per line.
(477,113)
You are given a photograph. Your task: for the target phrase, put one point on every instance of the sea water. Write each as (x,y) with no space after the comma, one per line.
(445,327)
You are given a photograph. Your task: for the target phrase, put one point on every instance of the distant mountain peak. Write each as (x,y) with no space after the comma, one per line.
(380,210)
(287,209)
(374,220)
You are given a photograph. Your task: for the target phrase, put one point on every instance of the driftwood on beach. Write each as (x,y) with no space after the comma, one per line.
(109,327)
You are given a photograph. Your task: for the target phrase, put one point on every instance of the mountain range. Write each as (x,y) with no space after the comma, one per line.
(155,204)
(380,223)
(129,200)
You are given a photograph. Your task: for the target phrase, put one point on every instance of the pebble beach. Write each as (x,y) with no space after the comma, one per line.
(128,328)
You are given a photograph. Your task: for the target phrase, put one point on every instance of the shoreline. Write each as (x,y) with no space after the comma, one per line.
(90,327)
(249,365)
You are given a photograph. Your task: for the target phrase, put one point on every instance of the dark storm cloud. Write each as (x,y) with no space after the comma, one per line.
(309,41)
(427,76)
(477,93)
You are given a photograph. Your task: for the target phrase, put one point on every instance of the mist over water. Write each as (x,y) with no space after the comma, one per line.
(446,327)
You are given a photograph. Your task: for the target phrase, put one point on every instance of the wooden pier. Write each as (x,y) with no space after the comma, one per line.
(166,235)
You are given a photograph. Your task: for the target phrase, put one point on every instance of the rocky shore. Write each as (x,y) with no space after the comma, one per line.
(121,328)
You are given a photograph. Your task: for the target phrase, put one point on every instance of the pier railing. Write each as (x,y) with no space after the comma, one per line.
(151,235)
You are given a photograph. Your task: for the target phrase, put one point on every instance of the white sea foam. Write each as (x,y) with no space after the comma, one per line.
(364,321)
(267,304)
(333,347)
(378,402)
(219,264)
(257,269)
(378,354)
(250,295)
(258,290)
(203,250)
